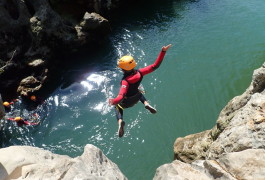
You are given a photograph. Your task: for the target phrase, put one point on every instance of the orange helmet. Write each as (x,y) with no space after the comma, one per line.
(33,98)
(6,104)
(18,118)
(126,63)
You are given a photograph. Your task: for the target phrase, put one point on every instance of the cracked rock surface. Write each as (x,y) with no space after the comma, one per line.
(233,149)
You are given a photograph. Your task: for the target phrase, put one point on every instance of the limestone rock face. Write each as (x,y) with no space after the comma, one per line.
(178,170)
(245,131)
(193,150)
(25,162)
(240,126)
(29,85)
(31,30)
(248,164)
(234,147)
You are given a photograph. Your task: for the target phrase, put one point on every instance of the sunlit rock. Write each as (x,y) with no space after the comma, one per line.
(248,164)
(234,147)
(240,126)
(25,162)
(178,170)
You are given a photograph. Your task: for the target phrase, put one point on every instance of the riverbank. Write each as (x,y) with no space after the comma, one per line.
(233,148)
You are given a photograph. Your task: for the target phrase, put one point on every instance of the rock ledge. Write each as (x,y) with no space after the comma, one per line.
(233,149)
(25,162)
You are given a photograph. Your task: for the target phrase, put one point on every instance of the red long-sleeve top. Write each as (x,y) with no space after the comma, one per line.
(136,77)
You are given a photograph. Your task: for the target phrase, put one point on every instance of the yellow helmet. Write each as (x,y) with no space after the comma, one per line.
(6,104)
(18,118)
(126,63)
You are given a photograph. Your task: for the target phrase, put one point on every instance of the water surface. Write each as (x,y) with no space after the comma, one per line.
(216,47)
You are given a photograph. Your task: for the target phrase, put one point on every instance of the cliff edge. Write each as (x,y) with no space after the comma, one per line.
(25,162)
(233,149)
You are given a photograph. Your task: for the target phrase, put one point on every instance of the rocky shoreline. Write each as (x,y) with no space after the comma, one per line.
(36,38)
(35,163)
(233,149)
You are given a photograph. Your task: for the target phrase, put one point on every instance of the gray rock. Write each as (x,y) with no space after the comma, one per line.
(234,147)
(239,126)
(213,170)
(28,86)
(192,147)
(92,23)
(248,165)
(178,170)
(245,131)
(36,63)
(32,30)
(25,162)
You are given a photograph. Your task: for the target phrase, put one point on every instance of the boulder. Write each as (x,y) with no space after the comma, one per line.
(92,23)
(25,162)
(245,130)
(31,30)
(233,148)
(178,170)
(239,126)
(28,86)
(248,164)
(195,146)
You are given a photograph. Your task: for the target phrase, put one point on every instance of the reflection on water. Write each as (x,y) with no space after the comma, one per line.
(206,67)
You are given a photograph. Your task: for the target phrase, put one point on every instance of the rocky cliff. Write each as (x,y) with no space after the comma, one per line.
(233,149)
(36,37)
(25,162)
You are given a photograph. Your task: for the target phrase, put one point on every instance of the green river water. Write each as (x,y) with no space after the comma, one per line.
(216,46)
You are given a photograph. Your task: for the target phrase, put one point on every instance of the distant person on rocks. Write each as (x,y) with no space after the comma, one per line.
(129,93)
(20,121)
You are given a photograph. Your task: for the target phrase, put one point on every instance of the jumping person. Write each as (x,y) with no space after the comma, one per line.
(129,93)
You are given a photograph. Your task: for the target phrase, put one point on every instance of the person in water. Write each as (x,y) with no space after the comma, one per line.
(7,106)
(129,93)
(20,121)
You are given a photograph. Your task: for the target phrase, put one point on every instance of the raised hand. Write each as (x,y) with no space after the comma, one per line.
(165,48)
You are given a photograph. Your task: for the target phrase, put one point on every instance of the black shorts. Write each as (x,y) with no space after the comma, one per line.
(128,102)
(131,101)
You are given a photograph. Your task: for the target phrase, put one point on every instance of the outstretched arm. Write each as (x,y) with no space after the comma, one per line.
(156,64)
(122,93)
